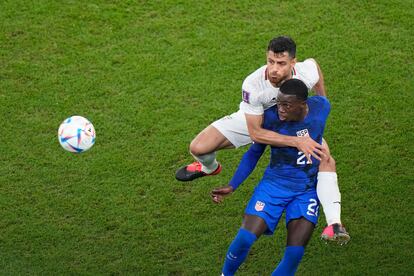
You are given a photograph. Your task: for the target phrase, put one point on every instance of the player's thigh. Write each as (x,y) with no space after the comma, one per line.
(254,224)
(209,140)
(234,128)
(299,232)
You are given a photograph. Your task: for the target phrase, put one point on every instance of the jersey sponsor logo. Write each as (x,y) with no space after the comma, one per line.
(246,96)
(259,206)
(302,133)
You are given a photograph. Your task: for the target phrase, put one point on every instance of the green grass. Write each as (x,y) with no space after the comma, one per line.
(150,75)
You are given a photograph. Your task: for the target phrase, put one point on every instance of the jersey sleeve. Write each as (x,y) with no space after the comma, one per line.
(247,164)
(325,106)
(308,72)
(251,103)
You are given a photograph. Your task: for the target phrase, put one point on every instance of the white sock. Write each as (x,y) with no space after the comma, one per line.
(329,196)
(208,161)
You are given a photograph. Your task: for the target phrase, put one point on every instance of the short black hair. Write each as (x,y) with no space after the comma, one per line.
(295,87)
(282,44)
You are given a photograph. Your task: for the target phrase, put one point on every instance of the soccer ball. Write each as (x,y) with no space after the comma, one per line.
(76,134)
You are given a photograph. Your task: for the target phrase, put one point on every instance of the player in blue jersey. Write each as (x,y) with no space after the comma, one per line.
(259,93)
(288,184)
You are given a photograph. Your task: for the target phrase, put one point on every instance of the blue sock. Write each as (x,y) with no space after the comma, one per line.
(290,262)
(238,251)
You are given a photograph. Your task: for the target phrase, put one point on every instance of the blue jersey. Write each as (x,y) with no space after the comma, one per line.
(289,166)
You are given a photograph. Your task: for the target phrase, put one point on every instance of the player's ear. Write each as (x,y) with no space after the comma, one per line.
(301,102)
(304,104)
(293,61)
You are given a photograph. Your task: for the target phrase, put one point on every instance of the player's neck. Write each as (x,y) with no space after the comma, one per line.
(277,85)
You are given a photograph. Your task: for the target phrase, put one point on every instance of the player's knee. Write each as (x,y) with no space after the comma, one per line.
(331,162)
(325,147)
(245,238)
(206,145)
(196,148)
(327,164)
(207,141)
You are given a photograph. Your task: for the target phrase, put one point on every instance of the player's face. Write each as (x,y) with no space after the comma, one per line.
(290,108)
(279,67)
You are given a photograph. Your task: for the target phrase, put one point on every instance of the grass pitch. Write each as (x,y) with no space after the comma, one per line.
(150,75)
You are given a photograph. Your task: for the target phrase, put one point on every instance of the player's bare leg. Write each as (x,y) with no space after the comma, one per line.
(203,148)
(299,232)
(209,140)
(330,198)
(254,224)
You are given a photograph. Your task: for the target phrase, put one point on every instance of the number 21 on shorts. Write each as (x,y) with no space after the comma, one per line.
(313,207)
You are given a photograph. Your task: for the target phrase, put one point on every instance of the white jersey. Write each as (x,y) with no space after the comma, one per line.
(259,94)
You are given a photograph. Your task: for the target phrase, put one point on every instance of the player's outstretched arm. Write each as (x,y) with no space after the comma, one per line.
(245,168)
(260,135)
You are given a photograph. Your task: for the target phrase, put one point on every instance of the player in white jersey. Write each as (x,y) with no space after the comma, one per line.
(259,92)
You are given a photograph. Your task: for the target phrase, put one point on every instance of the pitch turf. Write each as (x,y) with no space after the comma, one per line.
(150,75)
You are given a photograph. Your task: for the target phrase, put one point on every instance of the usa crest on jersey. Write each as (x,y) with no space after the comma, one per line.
(259,206)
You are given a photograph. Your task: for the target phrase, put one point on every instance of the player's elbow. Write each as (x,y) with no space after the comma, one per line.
(255,135)
(327,164)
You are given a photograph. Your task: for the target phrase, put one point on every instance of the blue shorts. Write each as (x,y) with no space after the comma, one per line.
(270,200)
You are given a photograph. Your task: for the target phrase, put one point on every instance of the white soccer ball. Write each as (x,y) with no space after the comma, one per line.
(76,134)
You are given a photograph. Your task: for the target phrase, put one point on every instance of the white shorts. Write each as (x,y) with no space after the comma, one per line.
(234,128)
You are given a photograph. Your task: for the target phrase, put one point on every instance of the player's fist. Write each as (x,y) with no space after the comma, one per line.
(218,194)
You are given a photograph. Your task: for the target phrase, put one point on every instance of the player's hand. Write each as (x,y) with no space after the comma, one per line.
(310,148)
(326,155)
(218,194)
